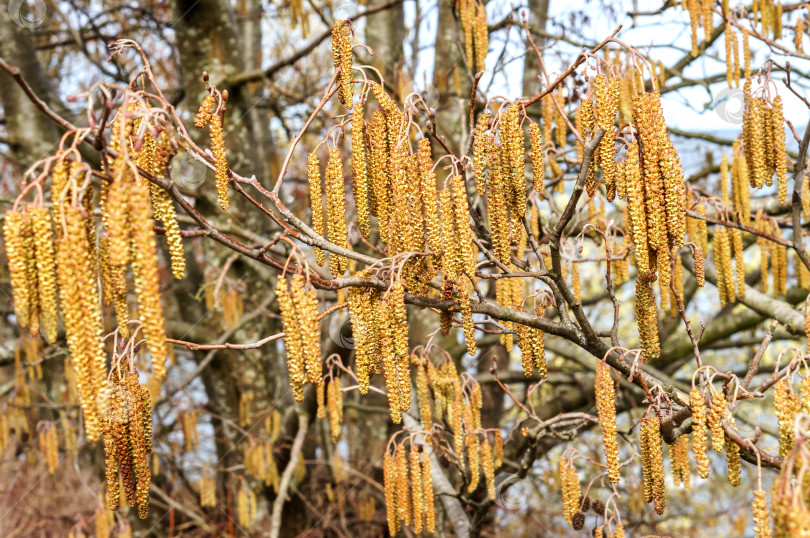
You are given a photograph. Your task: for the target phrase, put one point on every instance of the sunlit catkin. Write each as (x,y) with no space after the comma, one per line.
(342,59)
(360,184)
(292,339)
(699,431)
(220,160)
(606,407)
(336,211)
(733,461)
(656,461)
(779,156)
(647,319)
(316,200)
(715,419)
(390,488)
(13,229)
(762,524)
(536,154)
(679,462)
(786,404)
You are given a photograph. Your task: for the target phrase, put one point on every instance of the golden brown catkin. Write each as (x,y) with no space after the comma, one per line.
(606,407)
(342,59)
(390,489)
(779,156)
(220,160)
(656,461)
(13,228)
(336,211)
(292,339)
(715,420)
(316,201)
(786,405)
(733,461)
(647,319)
(699,431)
(762,525)
(46,271)
(536,154)
(360,185)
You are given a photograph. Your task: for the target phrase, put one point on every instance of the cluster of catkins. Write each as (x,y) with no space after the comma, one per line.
(302,336)
(710,419)
(128,439)
(333,402)
(791,489)
(763,140)
(408,484)
(380,330)
(473,16)
(74,254)
(652,182)
(210,114)
(575,505)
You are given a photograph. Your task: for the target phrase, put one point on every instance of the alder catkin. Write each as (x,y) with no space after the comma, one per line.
(13,228)
(606,407)
(316,200)
(342,59)
(336,211)
(715,420)
(46,271)
(220,160)
(786,404)
(360,182)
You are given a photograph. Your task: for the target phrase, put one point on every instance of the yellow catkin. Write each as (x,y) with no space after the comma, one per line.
(334,399)
(46,271)
(733,461)
(427,493)
(336,210)
(13,228)
(779,156)
(656,461)
(293,339)
(360,184)
(606,407)
(636,209)
(536,154)
(481,37)
(786,404)
(390,489)
(699,431)
(679,462)
(403,491)
(342,59)
(417,493)
(762,524)
(205,111)
(316,200)
(715,420)
(647,319)
(488,467)
(220,160)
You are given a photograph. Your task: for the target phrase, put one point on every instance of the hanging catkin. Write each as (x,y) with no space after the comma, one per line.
(606,407)
(336,211)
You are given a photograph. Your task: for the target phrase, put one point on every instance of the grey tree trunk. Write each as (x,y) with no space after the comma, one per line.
(538,16)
